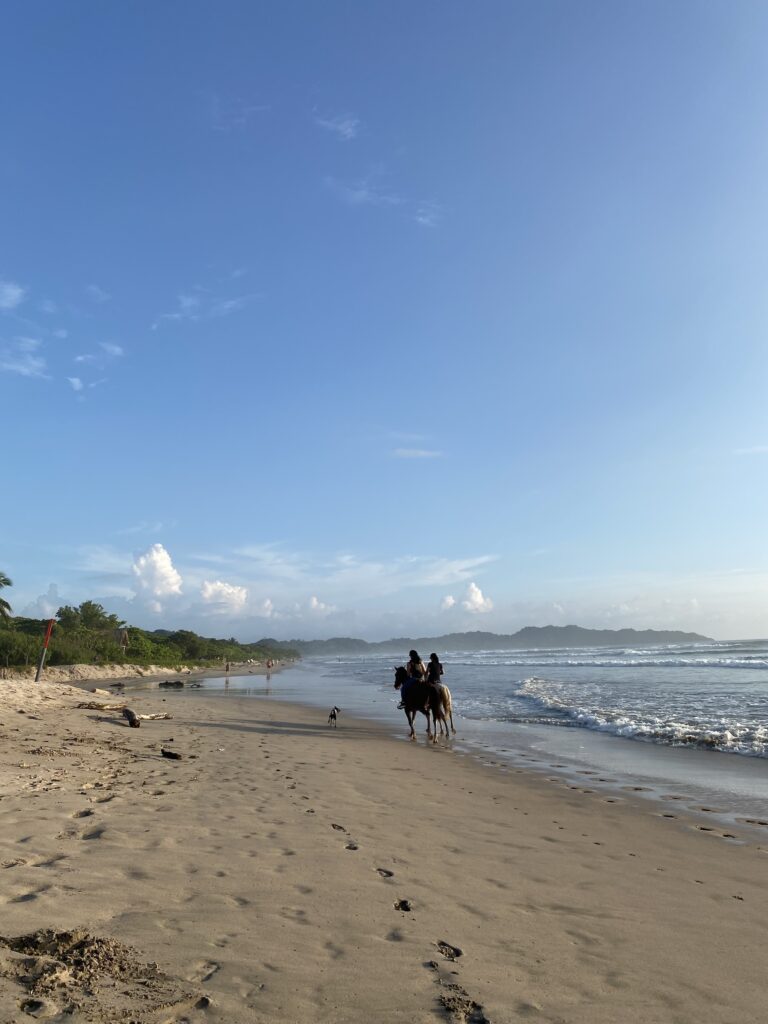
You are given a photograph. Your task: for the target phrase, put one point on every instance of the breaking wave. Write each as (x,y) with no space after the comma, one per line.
(581,706)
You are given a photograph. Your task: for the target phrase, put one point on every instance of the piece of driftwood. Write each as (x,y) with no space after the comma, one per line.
(94,705)
(170,753)
(175,683)
(133,719)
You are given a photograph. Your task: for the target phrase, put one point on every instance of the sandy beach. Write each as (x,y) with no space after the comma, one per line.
(284,871)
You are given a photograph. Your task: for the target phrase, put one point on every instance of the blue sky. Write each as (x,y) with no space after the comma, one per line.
(386,318)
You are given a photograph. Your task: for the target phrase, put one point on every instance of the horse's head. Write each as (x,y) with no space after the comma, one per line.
(401,674)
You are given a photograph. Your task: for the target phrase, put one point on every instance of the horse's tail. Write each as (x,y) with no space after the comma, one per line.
(447,704)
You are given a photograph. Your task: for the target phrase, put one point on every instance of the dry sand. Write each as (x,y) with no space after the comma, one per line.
(283,871)
(79,673)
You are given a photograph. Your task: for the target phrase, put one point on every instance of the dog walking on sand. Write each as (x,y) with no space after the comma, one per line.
(332,717)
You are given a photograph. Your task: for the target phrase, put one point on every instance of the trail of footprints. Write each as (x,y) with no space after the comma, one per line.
(452,997)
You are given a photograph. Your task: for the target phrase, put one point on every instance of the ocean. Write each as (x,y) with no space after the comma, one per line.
(663,717)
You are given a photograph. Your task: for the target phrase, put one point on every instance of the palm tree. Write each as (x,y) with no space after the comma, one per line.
(5,608)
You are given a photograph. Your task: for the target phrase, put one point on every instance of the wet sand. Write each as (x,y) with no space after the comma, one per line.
(285,871)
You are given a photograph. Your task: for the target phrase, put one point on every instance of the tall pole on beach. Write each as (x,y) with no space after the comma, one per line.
(44,650)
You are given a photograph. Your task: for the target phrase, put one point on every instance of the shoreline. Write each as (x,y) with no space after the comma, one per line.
(733,789)
(265,873)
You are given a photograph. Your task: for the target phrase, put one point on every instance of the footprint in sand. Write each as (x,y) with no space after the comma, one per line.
(385,873)
(352,845)
(339,828)
(29,896)
(449,952)
(203,970)
(94,833)
(83,814)
(404,905)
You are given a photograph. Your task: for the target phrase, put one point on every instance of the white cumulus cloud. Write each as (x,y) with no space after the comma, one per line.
(317,607)
(224,597)
(475,601)
(155,576)
(447,603)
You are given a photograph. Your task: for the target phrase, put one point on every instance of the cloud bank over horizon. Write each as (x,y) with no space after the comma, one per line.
(266,590)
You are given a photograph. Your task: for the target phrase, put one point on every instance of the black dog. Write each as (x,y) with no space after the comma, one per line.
(332,717)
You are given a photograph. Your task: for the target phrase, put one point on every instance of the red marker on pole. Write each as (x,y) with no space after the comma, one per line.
(44,651)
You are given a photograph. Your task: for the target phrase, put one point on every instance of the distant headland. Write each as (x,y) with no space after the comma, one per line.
(528,637)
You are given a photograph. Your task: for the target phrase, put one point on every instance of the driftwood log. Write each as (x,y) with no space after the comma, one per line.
(131,716)
(94,705)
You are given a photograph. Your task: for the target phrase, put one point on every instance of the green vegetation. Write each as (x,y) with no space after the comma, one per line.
(5,608)
(90,635)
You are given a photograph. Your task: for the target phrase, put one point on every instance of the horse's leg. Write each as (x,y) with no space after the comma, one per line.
(448,709)
(410,715)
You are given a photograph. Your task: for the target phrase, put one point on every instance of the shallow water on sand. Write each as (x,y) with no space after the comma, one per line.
(704,779)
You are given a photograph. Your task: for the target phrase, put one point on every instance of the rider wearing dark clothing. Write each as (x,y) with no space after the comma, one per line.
(417,673)
(434,671)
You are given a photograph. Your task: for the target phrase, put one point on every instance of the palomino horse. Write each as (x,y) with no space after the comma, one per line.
(421,696)
(446,710)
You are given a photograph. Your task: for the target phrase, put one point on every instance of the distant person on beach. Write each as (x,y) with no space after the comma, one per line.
(226,668)
(434,671)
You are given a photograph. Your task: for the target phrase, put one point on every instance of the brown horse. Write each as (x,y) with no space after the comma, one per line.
(421,697)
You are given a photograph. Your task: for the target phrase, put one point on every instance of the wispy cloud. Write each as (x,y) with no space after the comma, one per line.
(145,526)
(96,294)
(11,294)
(109,350)
(368,191)
(77,384)
(112,349)
(61,333)
(416,453)
(427,214)
(227,306)
(757,449)
(344,126)
(229,113)
(194,306)
(362,192)
(48,306)
(19,357)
